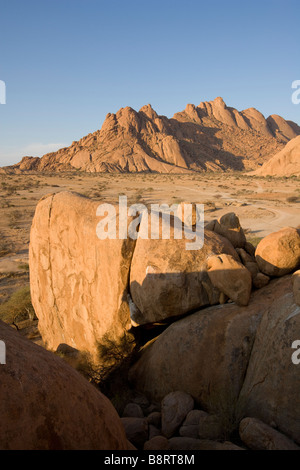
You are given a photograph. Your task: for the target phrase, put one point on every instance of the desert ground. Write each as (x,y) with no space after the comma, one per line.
(263,204)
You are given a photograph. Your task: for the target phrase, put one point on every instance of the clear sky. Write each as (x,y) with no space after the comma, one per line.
(67,63)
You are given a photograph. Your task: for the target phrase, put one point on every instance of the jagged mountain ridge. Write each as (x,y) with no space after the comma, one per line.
(211,136)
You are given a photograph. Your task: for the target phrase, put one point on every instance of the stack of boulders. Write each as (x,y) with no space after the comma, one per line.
(231,312)
(84,287)
(175,424)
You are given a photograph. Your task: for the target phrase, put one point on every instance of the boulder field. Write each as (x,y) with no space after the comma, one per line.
(235,361)
(230,312)
(83,287)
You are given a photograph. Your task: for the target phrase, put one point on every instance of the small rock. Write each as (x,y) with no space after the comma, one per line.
(133,410)
(191,430)
(194,417)
(250,249)
(154,407)
(153,431)
(141,400)
(187,443)
(260,280)
(259,436)
(229,227)
(245,257)
(157,443)
(136,430)
(174,407)
(230,277)
(211,225)
(253,268)
(155,419)
(210,428)
(190,426)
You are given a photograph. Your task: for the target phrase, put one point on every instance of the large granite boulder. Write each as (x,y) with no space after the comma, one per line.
(46,405)
(272,384)
(78,281)
(167,280)
(207,354)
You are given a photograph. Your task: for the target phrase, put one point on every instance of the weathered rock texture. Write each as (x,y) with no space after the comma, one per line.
(229,227)
(174,408)
(166,280)
(230,277)
(205,354)
(136,430)
(45,404)
(259,436)
(271,388)
(78,282)
(190,426)
(211,136)
(208,354)
(80,285)
(279,253)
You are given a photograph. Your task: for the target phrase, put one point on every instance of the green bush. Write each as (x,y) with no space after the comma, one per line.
(18,307)
(254,240)
(24,266)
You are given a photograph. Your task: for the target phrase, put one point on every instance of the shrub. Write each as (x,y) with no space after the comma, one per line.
(24,266)
(253,240)
(18,307)
(110,374)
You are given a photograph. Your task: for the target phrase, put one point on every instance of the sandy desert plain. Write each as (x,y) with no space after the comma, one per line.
(263,205)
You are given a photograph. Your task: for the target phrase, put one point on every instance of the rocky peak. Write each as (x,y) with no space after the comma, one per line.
(149,111)
(211,136)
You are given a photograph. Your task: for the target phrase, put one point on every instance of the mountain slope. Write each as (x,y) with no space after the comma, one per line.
(284,163)
(210,136)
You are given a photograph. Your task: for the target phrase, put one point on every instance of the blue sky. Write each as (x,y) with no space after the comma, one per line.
(67,63)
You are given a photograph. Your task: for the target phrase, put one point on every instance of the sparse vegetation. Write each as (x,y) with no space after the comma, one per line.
(24,266)
(18,307)
(110,375)
(253,240)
